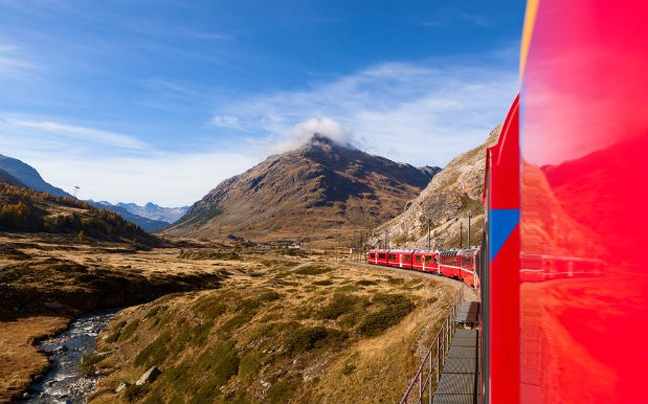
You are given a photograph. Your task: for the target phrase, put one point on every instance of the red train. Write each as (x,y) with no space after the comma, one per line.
(563,279)
(458,264)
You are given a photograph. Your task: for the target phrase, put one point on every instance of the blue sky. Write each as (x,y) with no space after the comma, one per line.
(138,100)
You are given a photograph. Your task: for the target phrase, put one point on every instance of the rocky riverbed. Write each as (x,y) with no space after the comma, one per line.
(65,382)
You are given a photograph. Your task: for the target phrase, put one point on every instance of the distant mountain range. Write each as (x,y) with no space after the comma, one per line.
(146,224)
(150,217)
(155,212)
(320,190)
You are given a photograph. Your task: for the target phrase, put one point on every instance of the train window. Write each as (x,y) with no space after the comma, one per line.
(418,258)
(436,259)
(428,259)
(381,256)
(392,256)
(407,258)
(372,255)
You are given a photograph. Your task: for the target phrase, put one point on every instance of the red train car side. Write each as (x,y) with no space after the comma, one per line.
(426,261)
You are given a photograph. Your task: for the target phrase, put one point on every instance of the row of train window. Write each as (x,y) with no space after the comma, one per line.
(406,258)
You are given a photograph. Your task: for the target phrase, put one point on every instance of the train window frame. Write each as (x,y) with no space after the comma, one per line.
(381,256)
(372,255)
(391,257)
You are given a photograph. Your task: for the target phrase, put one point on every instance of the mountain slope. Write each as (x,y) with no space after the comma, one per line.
(445,203)
(156,212)
(146,224)
(321,190)
(26,210)
(28,176)
(10,179)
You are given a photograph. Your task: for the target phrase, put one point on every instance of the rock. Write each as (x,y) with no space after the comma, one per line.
(53,305)
(149,376)
(122,386)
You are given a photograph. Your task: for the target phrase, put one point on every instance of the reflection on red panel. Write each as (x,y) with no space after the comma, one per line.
(584,227)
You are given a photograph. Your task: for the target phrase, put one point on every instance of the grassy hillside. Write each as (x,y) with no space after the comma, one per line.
(287,333)
(47,279)
(26,210)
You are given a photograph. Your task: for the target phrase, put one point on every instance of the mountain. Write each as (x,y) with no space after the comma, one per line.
(24,210)
(155,212)
(10,179)
(320,190)
(445,203)
(146,224)
(28,176)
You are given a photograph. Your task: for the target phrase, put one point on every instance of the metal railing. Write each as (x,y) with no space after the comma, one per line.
(424,383)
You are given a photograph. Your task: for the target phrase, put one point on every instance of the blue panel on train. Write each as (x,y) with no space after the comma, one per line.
(502,224)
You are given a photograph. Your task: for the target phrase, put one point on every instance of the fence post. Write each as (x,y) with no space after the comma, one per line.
(421,387)
(430,379)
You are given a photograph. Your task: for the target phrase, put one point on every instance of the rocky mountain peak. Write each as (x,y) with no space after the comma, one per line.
(336,188)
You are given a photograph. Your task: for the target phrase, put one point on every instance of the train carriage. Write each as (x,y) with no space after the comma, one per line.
(469,265)
(377,257)
(400,258)
(450,263)
(426,261)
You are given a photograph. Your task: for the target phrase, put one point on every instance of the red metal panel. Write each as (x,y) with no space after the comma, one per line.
(584,306)
(503,197)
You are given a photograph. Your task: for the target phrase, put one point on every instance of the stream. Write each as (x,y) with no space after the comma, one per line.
(63,383)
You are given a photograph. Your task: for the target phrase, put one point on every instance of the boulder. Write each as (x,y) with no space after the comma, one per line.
(149,376)
(122,386)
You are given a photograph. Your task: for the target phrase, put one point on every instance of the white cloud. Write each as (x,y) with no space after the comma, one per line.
(169,179)
(83,134)
(406,112)
(410,113)
(13,64)
(303,131)
(226,121)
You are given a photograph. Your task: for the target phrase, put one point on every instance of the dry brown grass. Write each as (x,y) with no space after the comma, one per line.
(20,359)
(268,317)
(285,343)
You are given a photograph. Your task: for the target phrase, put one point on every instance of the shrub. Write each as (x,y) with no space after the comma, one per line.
(366,282)
(396,308)
(135,393)
(340,304)
(306,338)
(129,330)
(87,365)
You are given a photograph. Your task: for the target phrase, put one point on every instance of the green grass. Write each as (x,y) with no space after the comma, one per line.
(395,308)
(128,331)
(282,391)
(340,304)
(156,352)
(304,339)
